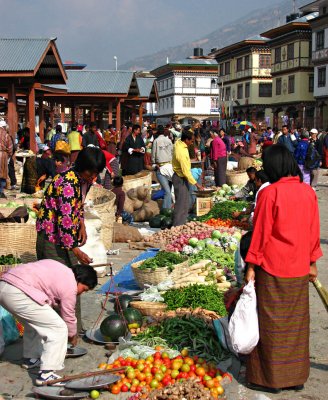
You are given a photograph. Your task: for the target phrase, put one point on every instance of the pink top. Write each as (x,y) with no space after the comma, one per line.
(218,148)
(47,282)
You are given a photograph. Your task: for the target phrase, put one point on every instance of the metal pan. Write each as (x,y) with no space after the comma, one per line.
(73,352)
(96,336)
(53,392)
(93,382)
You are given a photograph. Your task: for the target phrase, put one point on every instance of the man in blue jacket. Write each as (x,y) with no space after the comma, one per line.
(287,140)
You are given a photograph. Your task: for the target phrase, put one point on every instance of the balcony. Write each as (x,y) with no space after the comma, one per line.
(320,55)
(290,64)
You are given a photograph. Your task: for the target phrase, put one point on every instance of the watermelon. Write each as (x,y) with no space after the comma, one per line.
(155,222)
(133,316)
(167,212)
(124,301)
(113,327)
(166,223)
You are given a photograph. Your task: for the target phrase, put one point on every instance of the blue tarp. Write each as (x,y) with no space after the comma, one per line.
(124,280)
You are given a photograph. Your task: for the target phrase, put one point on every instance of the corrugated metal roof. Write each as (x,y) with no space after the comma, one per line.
(85,81)
(194,61)
(257,37)
(21,54)
(145,86)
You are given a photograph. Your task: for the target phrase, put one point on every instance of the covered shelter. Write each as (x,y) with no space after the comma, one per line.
(27,66)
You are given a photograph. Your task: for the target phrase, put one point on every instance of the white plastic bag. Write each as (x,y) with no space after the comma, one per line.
(244,325)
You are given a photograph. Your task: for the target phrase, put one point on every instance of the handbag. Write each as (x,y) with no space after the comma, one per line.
(243,324)
(63,147)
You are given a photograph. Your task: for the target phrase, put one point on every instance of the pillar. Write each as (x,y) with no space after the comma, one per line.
(42,123)
(12,110)
(110,112)
(52,114)
(118,116)
(92,114)
(141,114)
(62,113)
(134,115)
(73,114)
(31,119)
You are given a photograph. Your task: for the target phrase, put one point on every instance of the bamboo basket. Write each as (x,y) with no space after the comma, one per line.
(103,203)
(142,178)
(245,162)
(148,308)
(154,277)
(18,239)
(236,177)
(24,257)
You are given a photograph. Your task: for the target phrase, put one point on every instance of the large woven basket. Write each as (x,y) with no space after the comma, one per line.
(103,203)
(25,257)
(18,239)
(245,162)
(148,308)
(142,178)
(154,277)
(236,177)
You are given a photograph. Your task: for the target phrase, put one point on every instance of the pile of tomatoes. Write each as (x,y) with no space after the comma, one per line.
(159,370)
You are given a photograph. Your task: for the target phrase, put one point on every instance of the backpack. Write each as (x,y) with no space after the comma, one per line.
(312,158)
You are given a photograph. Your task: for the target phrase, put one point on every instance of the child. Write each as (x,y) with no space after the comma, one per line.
(120,200)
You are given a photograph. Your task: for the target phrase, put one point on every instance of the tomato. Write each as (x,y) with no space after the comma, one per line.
(206,378)
(131,374)
(211,374)
(200,371)
(163,368)
(115,389)
(139,388)
(157,363)
(184,352)
(177,364)
(154,384)
(133,389)
(102,366)
(185,368)
(140,367)
(165,355)
(158,348)
(124,388)
(157,355)
(166,381)
(178,357)
(147,369)
(159,376)
(123,363)
(220,390)
(210,383)
(192,375)
(154,370)
(189,361)
(193,368)
(148,379)
(135,382)
(201,360)
(228,376)
(150,359)
(142,377)
(184,375)
(174,373)
(214,393)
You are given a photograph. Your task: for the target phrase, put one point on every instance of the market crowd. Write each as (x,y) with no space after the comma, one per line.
(280,260)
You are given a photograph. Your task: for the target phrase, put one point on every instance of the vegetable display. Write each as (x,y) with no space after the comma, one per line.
(188,332)
(193,296)
(9,259)
(224,259)
(224,210)
(227,223)
(163,259)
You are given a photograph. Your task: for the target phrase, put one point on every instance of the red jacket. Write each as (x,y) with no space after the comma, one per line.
(286,235)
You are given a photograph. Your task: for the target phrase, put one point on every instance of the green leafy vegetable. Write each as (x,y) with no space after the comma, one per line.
(224,210)
(9,259)
(217,255)
(163,259)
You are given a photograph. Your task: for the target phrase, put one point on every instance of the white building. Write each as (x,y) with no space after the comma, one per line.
(187,90)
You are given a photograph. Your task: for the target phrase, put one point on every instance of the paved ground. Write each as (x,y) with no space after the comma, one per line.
(16,383)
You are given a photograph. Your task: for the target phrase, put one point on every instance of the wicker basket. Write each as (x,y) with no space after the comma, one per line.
(103,203)
(142,178)
(236,177)
(23,256)
(148,308)
(245,162)
(154,277)
(18,239)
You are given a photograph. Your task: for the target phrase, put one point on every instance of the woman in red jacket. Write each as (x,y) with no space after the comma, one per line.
(282,259)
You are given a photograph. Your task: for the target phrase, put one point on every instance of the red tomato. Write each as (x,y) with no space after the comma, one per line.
(154,370)
(157,355)
(228,376)
(184,375)
(166,381)
(192,368)
(200,371)
(124,388)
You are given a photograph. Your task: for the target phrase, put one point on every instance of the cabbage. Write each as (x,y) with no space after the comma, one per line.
(225,187)
(193,242)
(216,234)
(222,192)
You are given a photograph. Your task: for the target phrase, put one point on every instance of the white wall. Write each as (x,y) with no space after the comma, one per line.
(320,91)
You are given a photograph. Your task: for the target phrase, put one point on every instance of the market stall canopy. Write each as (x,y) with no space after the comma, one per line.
(147,88)
(35,60)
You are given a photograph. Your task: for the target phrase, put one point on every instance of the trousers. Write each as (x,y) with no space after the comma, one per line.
(181,193)
(45,334)
(165,184)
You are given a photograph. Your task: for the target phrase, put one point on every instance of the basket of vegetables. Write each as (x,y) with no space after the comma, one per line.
(148,308)
(159,268)
(8,261)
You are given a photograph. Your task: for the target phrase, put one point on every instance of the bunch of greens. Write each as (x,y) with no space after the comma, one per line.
(193,296)
(224,210)
(9,259)
(187,332)
(217,255)
(163,259)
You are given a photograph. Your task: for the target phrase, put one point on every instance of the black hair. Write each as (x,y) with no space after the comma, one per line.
(118,181)
(110,126)
(262,176)
(58,156)
(160,130)
(278,162)
(245,243)
(86,275)
(268,128)
(253,129)
(284,126)
(74,126)
(90,159)
(186,135)
(59,128)
(251,170)
(223,130)
(92,124)
(128,125)
(135,127)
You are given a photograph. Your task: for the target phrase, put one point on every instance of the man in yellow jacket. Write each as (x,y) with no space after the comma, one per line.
(75,143)
(182,176)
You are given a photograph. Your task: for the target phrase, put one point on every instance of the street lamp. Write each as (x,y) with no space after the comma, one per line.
(115,59)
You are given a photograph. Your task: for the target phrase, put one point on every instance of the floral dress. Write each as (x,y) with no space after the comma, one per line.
(62,209)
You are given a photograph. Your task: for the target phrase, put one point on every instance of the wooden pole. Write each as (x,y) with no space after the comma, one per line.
(92,114)
(118,116)
(31,119)
(62,113)
(52,114)
(42,123)
(12,110)
(110,112)
(141,114)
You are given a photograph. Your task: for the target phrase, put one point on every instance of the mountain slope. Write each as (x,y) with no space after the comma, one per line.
(252,24)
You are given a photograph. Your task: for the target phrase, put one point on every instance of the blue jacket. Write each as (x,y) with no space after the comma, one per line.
(286,141)
(300,151)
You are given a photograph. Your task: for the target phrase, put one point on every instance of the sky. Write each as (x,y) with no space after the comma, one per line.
(94,31)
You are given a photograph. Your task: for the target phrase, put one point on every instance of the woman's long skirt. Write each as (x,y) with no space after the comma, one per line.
(220,172)
(281,358)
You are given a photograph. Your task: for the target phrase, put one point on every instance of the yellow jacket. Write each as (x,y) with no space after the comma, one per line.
(181,161)
(74,140)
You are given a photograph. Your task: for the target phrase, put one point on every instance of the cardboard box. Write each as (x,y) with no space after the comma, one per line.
(203,205)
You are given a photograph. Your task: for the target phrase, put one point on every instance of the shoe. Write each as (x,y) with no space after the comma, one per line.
(46,376)
(30,363)
(2,196)
(263,388)
(297,388)
(14,187)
